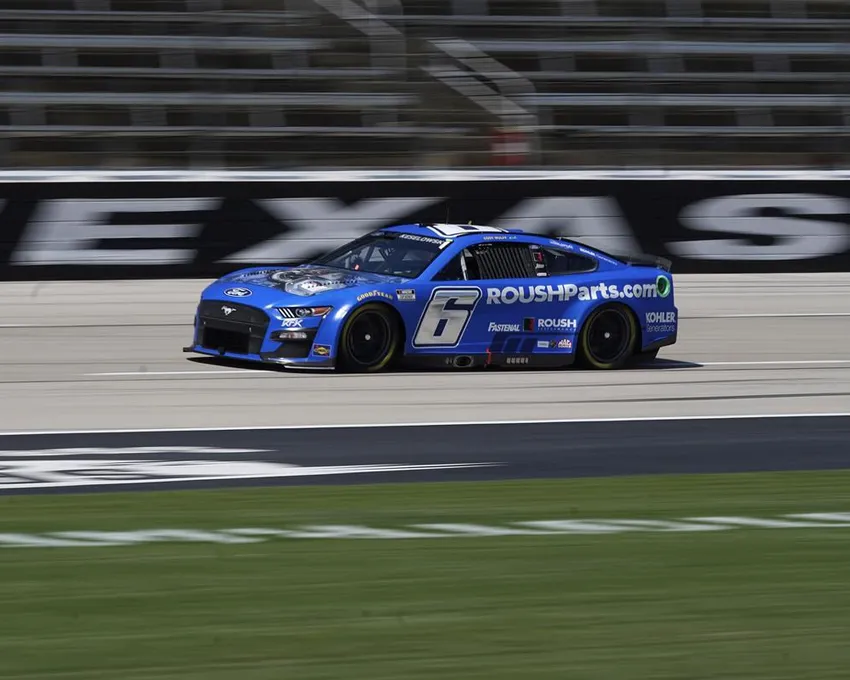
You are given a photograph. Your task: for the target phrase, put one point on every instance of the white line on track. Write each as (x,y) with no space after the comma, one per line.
(801,315)
(249,373)
(362,426)
(243,373)
(802,362)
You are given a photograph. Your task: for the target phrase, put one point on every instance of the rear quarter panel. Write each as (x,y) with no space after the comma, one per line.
(533,316)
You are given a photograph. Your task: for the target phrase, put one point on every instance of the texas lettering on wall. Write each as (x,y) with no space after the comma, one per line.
(163,229)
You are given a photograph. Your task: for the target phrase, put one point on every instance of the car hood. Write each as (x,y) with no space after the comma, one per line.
(306,280)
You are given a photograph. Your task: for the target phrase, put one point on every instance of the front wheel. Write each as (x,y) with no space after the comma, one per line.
(608,338)
(369,339)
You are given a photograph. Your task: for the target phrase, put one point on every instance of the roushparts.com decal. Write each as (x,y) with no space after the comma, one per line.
(542,528)
(563,292)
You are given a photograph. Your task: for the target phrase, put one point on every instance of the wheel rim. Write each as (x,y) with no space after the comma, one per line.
(369,339)
(608,337)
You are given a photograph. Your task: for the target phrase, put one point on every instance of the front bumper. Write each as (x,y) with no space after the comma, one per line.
(239,332)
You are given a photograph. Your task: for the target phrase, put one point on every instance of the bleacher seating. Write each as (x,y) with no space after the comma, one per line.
(340,83)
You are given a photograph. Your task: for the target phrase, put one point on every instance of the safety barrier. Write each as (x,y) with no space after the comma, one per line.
(139,225)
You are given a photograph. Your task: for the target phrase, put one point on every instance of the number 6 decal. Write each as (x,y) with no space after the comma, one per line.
(446,316)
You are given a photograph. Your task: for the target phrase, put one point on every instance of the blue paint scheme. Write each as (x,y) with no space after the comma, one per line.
(537,317)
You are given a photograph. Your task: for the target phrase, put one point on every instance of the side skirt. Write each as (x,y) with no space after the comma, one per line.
(467,361)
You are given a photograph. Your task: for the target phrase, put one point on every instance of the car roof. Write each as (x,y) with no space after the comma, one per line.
(450,231)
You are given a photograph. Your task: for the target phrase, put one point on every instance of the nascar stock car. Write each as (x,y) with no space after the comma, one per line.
(444,295)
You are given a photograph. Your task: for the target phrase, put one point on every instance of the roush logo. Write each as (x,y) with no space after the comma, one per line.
(567,291)
(557,324)
(661,317)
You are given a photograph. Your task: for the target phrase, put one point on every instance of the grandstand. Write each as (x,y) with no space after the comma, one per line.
(283,84)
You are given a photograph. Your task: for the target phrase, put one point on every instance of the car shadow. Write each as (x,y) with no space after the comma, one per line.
(663,364)
(223,362)
(651,364)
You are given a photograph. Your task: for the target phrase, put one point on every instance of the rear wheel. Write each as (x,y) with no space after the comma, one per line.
(369,339)
(608,338)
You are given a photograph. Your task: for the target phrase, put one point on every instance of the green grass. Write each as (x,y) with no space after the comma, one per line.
(760,604)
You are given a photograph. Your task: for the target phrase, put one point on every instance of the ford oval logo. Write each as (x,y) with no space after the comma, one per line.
(237,292)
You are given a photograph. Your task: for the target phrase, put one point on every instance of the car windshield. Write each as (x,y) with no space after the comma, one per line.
(390,253)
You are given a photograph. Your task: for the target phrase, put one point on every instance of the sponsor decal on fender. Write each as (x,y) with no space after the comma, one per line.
(374,293)
(564,292)
(660,322)
(661,317)
(557,324)
(322,350)
(406,295)
(504,328)
(291,323)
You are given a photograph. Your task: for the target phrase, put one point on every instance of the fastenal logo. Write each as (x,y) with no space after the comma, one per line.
(237,292)
(504,328)
(557,324)
(567,291)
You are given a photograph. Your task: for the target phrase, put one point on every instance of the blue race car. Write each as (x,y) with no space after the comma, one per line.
(444,295)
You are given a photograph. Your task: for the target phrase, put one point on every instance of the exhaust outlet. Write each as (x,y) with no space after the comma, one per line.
(462,362)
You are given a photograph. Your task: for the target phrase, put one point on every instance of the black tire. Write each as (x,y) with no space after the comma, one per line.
(608,338)
(369,339)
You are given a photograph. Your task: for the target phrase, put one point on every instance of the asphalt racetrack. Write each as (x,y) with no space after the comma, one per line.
(107,355)
(205,459)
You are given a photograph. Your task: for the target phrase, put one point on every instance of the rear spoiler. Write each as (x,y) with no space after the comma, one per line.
(647,261)
(636,260)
